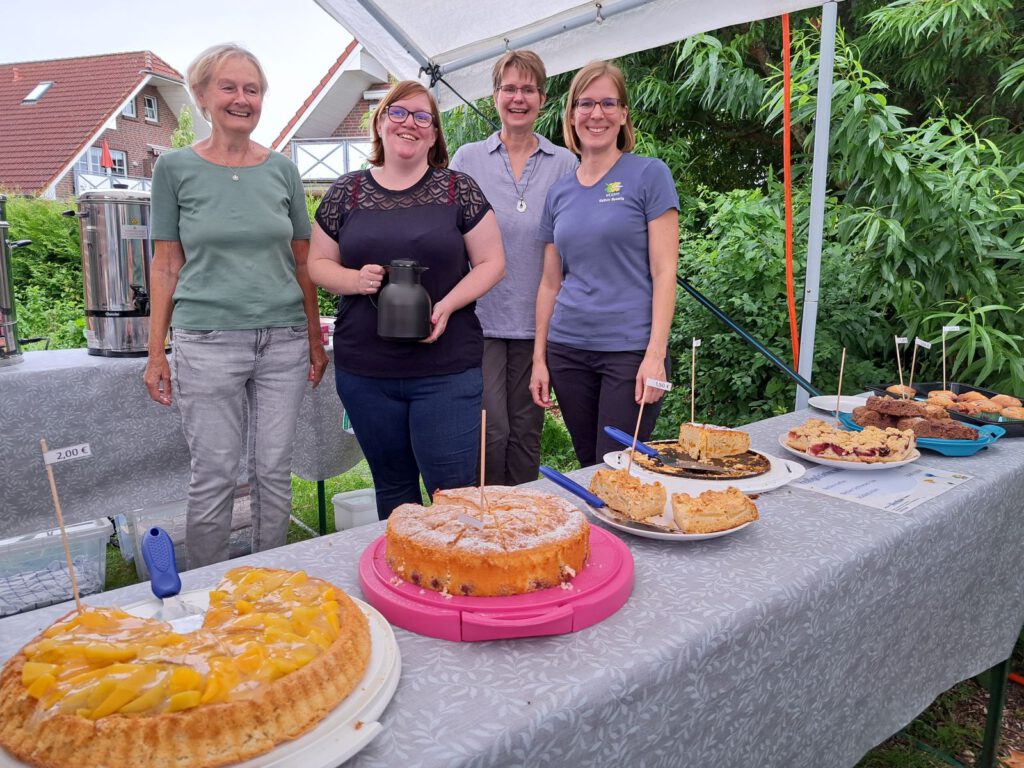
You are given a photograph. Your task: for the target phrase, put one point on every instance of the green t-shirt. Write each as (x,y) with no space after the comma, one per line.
(239,269)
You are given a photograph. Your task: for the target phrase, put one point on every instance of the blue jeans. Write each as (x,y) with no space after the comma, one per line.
(427,425)
(217,375)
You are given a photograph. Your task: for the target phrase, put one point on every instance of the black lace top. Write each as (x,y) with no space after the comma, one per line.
(425,222)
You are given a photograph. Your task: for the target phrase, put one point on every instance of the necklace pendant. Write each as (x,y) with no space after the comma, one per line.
(521,205)
(234,177)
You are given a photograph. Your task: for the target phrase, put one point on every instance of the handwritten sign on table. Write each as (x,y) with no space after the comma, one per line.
(899,489)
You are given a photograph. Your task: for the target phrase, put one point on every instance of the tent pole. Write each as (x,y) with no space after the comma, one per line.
(819,178)
(396,32)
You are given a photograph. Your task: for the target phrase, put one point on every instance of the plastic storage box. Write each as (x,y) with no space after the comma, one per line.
(34,570)
(171,517)
(354,508)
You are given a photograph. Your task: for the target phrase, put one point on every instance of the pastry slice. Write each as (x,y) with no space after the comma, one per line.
(627,495)
(702,442)
(712,511)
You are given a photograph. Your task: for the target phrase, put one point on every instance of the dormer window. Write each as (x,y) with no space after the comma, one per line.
(37,93)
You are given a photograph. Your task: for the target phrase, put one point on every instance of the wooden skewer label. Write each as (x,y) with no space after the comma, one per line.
(901,339)
(950,328)
(922,343)
(656,384)
(81,451)
(696,343)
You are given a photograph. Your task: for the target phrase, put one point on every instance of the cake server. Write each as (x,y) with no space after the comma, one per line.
(158,552)
(571,485)
(670,461)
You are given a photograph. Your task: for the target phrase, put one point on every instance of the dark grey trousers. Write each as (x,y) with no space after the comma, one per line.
(514,422)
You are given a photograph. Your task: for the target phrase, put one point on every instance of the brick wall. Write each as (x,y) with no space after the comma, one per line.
(133,136)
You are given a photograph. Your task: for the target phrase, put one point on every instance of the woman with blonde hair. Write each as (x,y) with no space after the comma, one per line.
(414,406)
(607,294)
(231,236)
(515,167)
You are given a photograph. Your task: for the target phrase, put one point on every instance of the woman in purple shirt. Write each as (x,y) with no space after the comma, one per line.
(607,294)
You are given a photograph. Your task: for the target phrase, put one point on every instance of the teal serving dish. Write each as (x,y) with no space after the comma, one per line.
(987,435)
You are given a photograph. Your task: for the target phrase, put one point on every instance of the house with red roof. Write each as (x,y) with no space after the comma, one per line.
(56,115)
(327,136)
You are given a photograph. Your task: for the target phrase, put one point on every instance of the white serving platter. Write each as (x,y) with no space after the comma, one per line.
(780,472)
(827,403)
(858,466)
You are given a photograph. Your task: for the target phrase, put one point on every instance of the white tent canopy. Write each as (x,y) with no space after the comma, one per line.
(460,39)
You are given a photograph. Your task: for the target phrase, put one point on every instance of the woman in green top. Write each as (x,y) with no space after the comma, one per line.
(231,236)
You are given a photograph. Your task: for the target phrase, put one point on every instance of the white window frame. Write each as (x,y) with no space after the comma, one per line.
(151,109)
(130,110)
(89,162)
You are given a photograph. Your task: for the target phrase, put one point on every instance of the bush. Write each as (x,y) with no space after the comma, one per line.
(49,294)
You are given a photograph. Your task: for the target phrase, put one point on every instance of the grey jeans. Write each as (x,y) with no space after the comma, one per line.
(217,376)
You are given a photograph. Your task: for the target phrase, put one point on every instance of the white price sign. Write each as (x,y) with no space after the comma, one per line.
(923,343)
(696,343)
(901,339)
(657,384)
(950,328)
(58,455)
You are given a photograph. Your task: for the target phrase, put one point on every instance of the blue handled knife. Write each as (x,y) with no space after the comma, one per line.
(158,552)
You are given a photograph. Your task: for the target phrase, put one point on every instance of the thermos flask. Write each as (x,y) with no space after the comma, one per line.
(403,309)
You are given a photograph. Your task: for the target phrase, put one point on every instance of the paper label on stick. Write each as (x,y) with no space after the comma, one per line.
(950,328)
(922,343)
(57,455)
(901,339)
(471,521)
(696,343)
(656,384)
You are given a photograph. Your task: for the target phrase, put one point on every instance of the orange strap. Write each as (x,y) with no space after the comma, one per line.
(787,177)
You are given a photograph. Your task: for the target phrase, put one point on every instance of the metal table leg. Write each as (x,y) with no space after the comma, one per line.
(321,505)
(996,684)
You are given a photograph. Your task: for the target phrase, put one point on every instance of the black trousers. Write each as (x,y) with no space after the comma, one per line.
(514,421)
(595,390)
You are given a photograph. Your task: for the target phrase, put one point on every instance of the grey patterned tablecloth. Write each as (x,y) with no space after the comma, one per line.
(139,454)
(803,640)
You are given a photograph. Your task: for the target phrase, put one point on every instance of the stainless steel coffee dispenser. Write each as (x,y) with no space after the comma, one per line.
(116,257)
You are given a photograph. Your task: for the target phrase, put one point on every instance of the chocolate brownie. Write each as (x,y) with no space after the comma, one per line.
(866,417)
(896,407)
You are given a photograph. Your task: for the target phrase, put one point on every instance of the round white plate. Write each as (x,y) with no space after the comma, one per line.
(827,403)
(854,465)
(781,471)
(647,532)
(348,727)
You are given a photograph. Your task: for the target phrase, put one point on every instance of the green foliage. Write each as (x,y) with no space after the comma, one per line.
(47,275)
(185,133)
(556,445)
(327,301)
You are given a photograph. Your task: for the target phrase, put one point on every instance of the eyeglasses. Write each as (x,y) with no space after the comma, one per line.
(398,114)
(586,106)
(526,90)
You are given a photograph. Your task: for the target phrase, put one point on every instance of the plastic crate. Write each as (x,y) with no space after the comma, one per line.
(34,570)
(354,508)
(171,517)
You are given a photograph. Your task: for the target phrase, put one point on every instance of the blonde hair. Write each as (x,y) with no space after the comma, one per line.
(404,89)
(527,62)
(626,139)
(205,64)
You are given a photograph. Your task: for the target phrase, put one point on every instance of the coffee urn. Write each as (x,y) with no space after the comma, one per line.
(116,257)
(10,346)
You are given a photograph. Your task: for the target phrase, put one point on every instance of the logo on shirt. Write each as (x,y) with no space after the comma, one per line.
(612,192)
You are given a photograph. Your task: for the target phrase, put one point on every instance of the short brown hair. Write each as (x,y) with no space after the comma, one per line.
(527,62)
(205,64)
(627,135)
(438,155)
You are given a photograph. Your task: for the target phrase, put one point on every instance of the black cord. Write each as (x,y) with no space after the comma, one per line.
(434,70)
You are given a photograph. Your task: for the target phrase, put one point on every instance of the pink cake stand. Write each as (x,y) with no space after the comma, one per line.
(594,594)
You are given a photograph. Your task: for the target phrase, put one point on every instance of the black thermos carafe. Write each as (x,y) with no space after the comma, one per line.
(403,309)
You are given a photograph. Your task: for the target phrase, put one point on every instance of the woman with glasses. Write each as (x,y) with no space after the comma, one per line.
(414,406)
(607,294)
(514,167)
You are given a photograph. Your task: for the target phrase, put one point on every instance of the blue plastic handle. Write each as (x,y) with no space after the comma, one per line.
(572,486)
(627,440)
(158,552)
